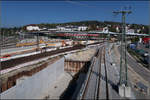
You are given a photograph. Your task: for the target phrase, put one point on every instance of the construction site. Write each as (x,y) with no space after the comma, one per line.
(63,69)
(76,60)
(16,70)
(70,68)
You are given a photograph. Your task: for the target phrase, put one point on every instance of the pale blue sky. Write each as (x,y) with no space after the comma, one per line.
(15,13)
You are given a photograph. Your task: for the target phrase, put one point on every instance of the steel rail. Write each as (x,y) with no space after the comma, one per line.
(99,77)
(87,80)
(96,95)
(107,90)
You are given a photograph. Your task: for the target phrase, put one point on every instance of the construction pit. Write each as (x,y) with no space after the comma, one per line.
(9,79)
(74,62)
(77,65)
(73,69)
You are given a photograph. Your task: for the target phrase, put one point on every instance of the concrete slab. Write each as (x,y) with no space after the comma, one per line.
(102,94)
(125,91)
(112,74)
(122,91)
(58,87)
(128,92)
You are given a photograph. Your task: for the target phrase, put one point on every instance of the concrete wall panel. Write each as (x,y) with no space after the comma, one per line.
(36,86)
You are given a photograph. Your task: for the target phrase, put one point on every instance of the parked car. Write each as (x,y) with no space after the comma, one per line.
(147,45)
(141,52)
(146,59)
(132,46)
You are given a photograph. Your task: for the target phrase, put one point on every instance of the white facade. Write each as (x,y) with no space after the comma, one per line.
(60,28)
(105,29)
(52,29)
(130,31)
(31,28)
(72,28)
(117,29)
(82,28)
(138,30)
(126,29)
(68,29)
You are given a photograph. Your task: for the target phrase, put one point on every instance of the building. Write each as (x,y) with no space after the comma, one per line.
(32,27)
(105,29)
(138,30)
(118,29)
(72,28)
(60,28)
(52,29)
(146,40)
(82,28)
(100,29)
(130,31)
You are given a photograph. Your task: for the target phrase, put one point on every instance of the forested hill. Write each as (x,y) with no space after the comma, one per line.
(80,23)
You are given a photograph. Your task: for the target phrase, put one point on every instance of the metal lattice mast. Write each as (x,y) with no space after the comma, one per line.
(37,40)
(123,63)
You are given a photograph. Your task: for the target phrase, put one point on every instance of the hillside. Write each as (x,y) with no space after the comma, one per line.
(93,24)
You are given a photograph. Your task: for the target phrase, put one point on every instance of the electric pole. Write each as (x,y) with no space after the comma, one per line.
(37,40)
(123,63)
(108,35)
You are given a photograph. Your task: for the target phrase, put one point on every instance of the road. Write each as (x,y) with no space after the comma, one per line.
(141,46)
(138,68)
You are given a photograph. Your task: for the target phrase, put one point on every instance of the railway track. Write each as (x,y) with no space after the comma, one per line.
(107,90)
(99,78)
(13,62)
(91,87)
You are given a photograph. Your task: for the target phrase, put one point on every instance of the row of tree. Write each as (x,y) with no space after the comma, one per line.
(10,31)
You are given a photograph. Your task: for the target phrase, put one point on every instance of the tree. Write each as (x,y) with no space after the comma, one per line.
(112,29)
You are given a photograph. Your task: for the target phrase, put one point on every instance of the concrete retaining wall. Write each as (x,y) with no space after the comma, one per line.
(36,86)
(75,66)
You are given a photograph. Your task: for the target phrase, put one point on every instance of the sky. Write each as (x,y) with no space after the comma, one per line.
(19,13)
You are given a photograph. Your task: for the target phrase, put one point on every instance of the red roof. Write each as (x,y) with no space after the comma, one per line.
(146,40)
